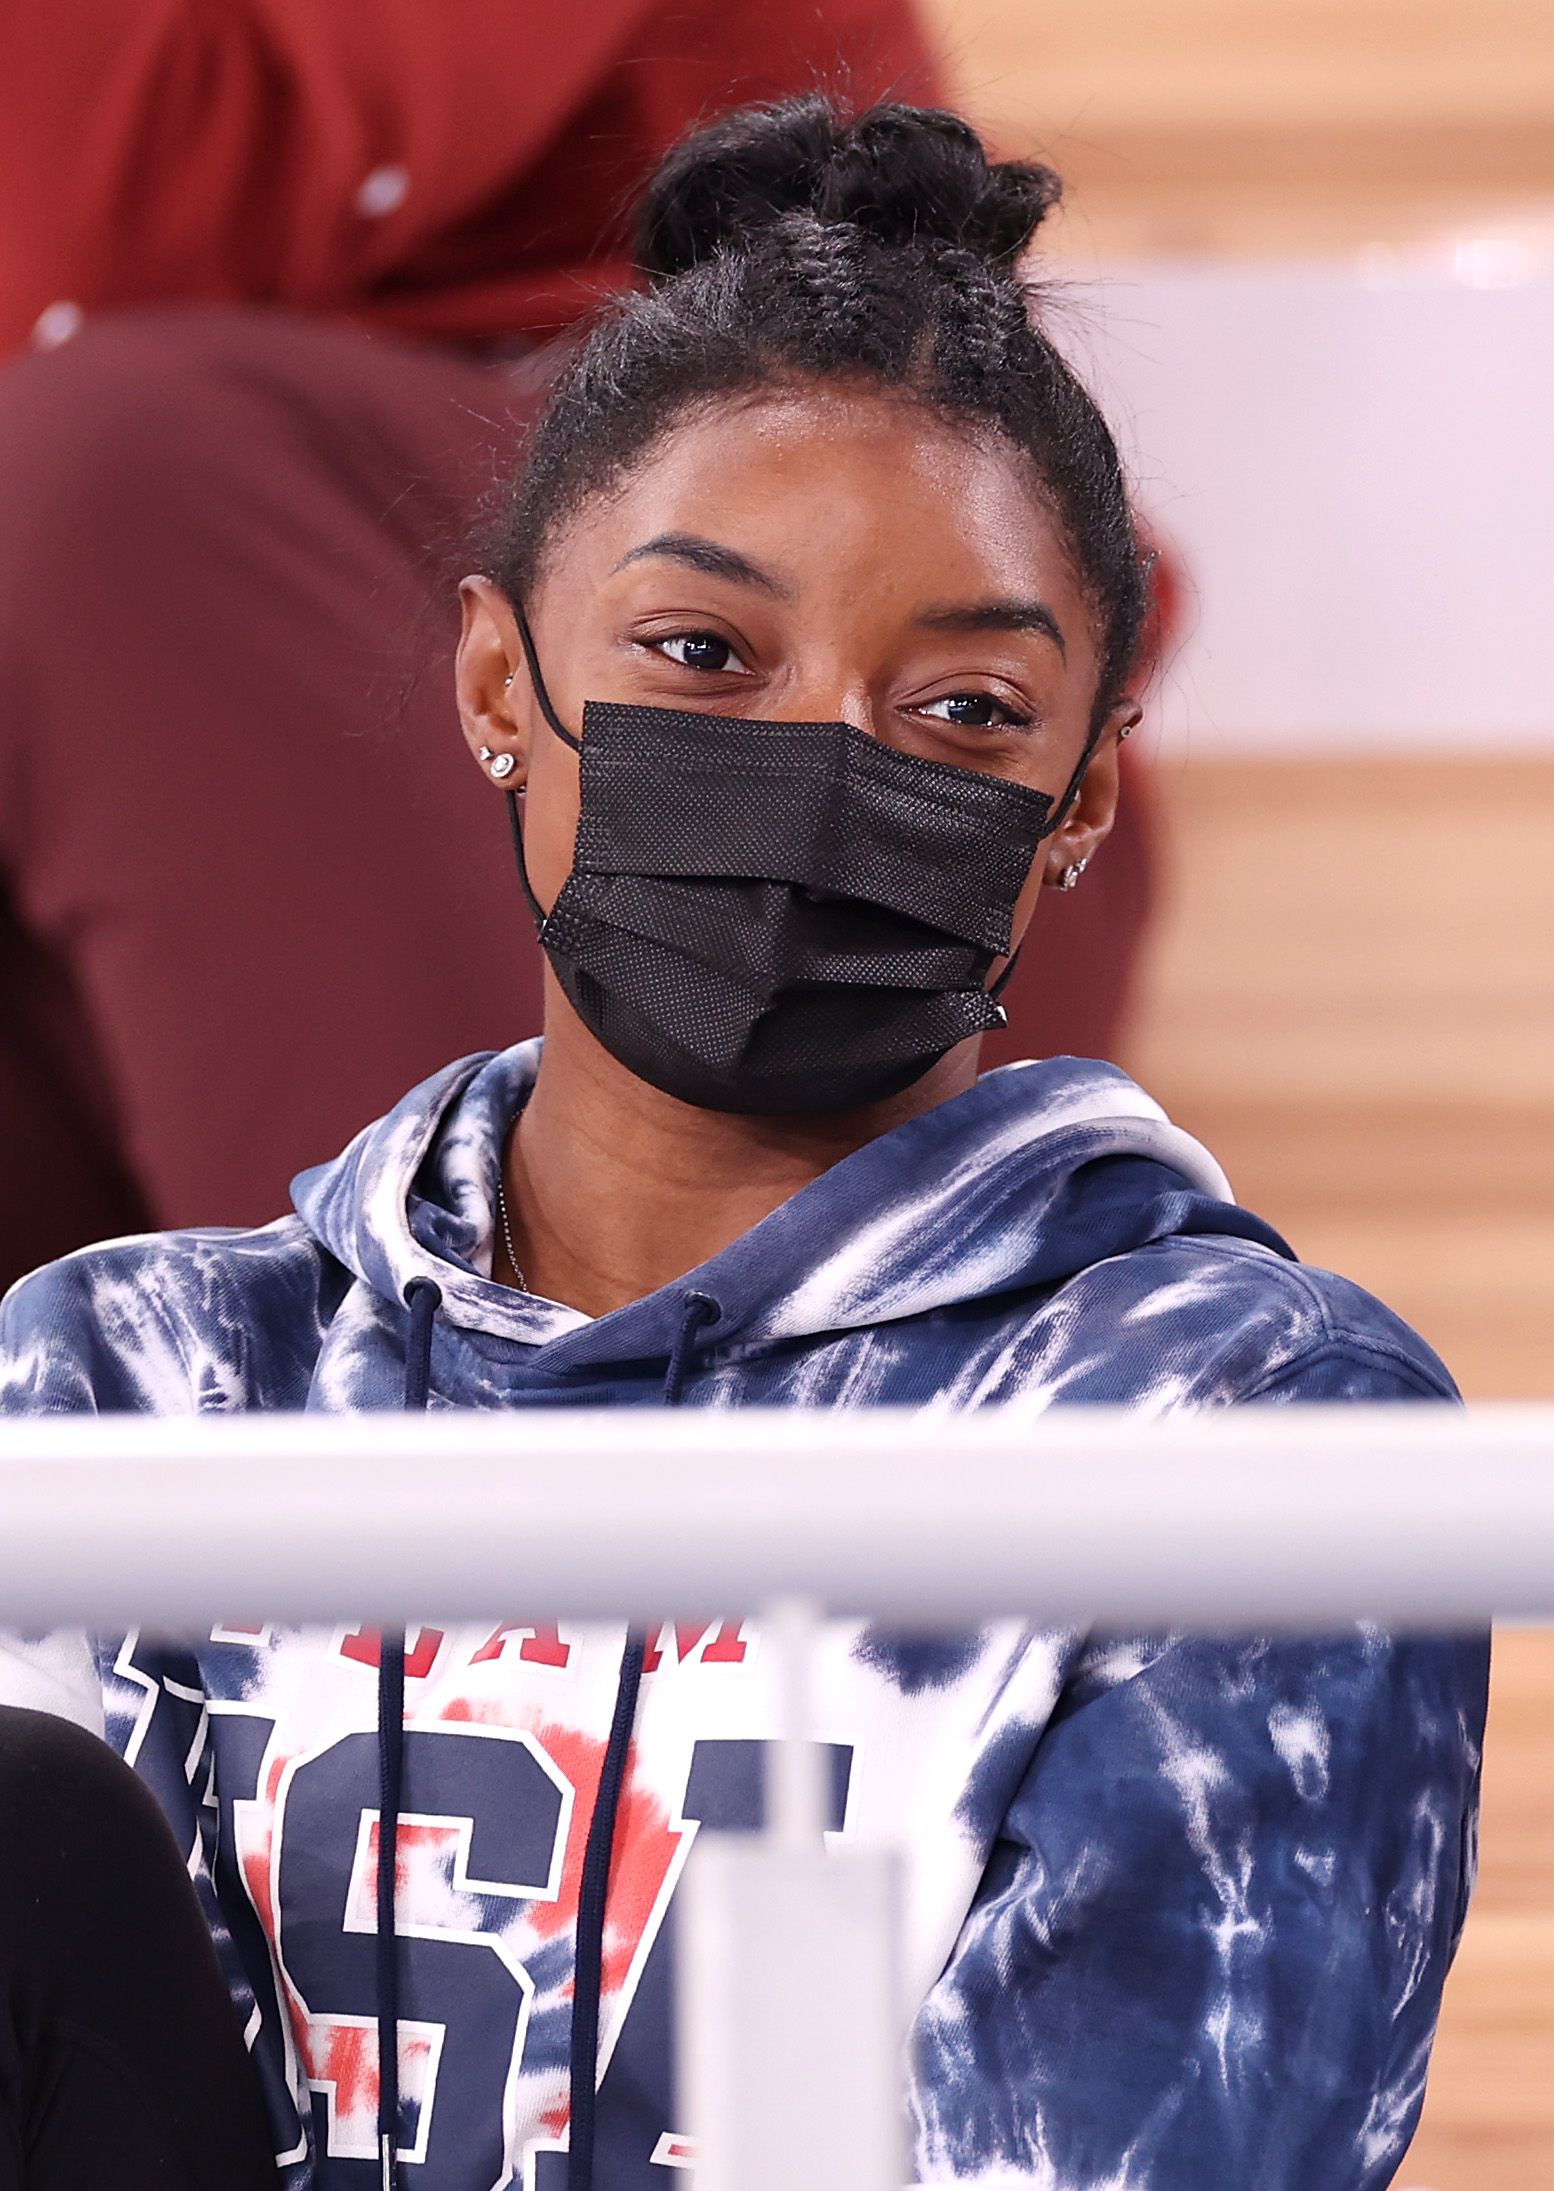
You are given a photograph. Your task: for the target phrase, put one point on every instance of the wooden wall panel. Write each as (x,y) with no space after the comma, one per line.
(1255,125)
(1350,996)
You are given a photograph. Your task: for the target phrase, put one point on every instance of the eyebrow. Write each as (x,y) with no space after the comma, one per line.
(712,559)
(1008,614)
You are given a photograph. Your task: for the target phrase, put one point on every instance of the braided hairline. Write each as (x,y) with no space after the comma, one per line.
(810,298)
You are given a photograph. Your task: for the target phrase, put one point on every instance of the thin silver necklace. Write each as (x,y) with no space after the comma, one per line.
(507,1235)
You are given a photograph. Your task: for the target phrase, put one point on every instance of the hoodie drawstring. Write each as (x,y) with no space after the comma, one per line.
(588,1962)
(423,1297)
(391,1760)
(697,1309)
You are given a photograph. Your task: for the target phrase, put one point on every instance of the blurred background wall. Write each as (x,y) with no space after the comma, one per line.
(1308,257)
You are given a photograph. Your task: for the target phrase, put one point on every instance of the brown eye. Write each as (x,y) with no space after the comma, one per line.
(702,650)
(973,710)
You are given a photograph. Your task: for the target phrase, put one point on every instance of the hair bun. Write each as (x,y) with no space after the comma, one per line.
(901,174)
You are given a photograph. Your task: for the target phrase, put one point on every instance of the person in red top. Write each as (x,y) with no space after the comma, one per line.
(280,280)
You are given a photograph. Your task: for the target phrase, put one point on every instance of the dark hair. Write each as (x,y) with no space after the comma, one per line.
(786,243)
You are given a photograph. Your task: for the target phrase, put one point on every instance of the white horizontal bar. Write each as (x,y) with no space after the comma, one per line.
(1406,1513)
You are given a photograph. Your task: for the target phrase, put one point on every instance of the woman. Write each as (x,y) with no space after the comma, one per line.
(807,638)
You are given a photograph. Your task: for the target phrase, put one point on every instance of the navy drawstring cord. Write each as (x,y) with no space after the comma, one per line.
(391,1761)
(423,1298)
(697,1310)
(588,1960)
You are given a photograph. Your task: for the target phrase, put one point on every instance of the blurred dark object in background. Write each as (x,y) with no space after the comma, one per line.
(230,795)
(1070,994)
(286,269)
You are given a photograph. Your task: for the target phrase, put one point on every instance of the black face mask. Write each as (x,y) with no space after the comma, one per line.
(781,917)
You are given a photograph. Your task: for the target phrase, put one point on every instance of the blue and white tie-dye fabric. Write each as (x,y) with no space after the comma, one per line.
(1179,1908)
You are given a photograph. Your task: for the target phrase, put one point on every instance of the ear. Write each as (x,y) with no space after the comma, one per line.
(493,691)
(1089,820)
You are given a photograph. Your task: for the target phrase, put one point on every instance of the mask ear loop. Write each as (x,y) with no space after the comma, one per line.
(541,693)
(514,821)
(515,824)
(1050,827)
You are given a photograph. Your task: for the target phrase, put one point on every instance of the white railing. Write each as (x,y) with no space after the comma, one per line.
(1283,1515)
(1418,1515)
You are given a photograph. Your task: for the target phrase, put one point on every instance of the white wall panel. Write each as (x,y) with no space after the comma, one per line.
(1357,466)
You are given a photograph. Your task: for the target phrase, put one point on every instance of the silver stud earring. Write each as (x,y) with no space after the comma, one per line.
(1071,874)
(503,765)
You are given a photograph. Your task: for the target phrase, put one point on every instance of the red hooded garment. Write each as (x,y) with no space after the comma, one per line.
(454,169)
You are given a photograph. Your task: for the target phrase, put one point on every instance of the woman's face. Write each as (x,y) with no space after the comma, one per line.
(819,556)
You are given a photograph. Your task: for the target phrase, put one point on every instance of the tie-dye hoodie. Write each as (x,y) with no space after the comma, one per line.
(1178,1908)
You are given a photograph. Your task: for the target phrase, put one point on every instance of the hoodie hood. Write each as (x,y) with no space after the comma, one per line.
(1048,1235)
(1004,1188)
(1068,1810)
